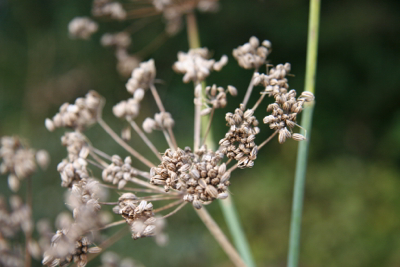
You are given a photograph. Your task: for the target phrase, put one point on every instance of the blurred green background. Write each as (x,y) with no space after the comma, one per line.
(352,200)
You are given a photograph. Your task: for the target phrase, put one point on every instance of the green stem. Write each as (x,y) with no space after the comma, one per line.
(227,206)
(306,122)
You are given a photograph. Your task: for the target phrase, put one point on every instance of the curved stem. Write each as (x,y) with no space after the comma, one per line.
(267,140)
(220,237)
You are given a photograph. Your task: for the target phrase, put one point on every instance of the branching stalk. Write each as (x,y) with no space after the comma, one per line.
(249,90)
(144,138)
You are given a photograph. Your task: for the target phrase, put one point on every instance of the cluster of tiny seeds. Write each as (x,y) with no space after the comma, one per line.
(239,142)
(106,8)
(286,106)
(284,113)
(251,55)
(119,172)
(19,161)
(73,168)
(216,96)
(82,27)
(84,196)
(198,176)
(64,250)
(19,217)
(142,77)
(129,109)
(77,116)
(161,121)
(196,66)
(138,214)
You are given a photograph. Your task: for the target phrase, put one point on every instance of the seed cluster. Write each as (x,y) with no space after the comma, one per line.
(200,176)
(119,172)
(216,96)
(64,250)
(77,116)
(286,106)
(106,8)
(138,214)
(73,168)
(161,121)
(142,77)
(251,55)
(84,198)
(18,217)
(239,142)
(82,27)
(129,109)
(18,161)
(196,66)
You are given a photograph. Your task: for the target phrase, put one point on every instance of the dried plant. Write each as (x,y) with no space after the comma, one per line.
(197,175)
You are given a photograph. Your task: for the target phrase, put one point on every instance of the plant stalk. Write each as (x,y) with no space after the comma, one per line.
(228,207)
(306,122)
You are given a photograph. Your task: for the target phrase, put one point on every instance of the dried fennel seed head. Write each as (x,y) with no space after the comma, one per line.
(199,176)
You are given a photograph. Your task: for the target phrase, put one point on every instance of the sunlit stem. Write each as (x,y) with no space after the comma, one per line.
(168,206)
(175,210)
(123,144)
(144,138)
(220,237)
(162,109)
(267,140)
(249,90)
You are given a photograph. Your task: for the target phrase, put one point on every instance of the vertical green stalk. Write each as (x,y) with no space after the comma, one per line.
(227,206)
(306,122)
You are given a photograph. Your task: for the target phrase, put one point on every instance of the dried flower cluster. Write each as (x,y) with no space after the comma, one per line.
(251,55)
(77,116)
(107,8)
(119,172)
(196,66)
(82,27)
(19,161)
(239,142)
(198,176)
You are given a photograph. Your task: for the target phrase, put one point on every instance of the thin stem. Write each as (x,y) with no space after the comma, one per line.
(141,190)
(175,210)
(306,122)
(144,138)
(98,159)
(239,238)
(234,167)
(162,109)
(267,140)
(101,167)
(146,184)
(112,225)
(220,237)
(170,205)
(108,203)
(208,126)
(249,90)
(169,141)
(159,198)
(258,102)
(124,145)
(100,153)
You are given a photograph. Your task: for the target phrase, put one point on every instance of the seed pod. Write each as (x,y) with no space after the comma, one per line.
(212,191)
